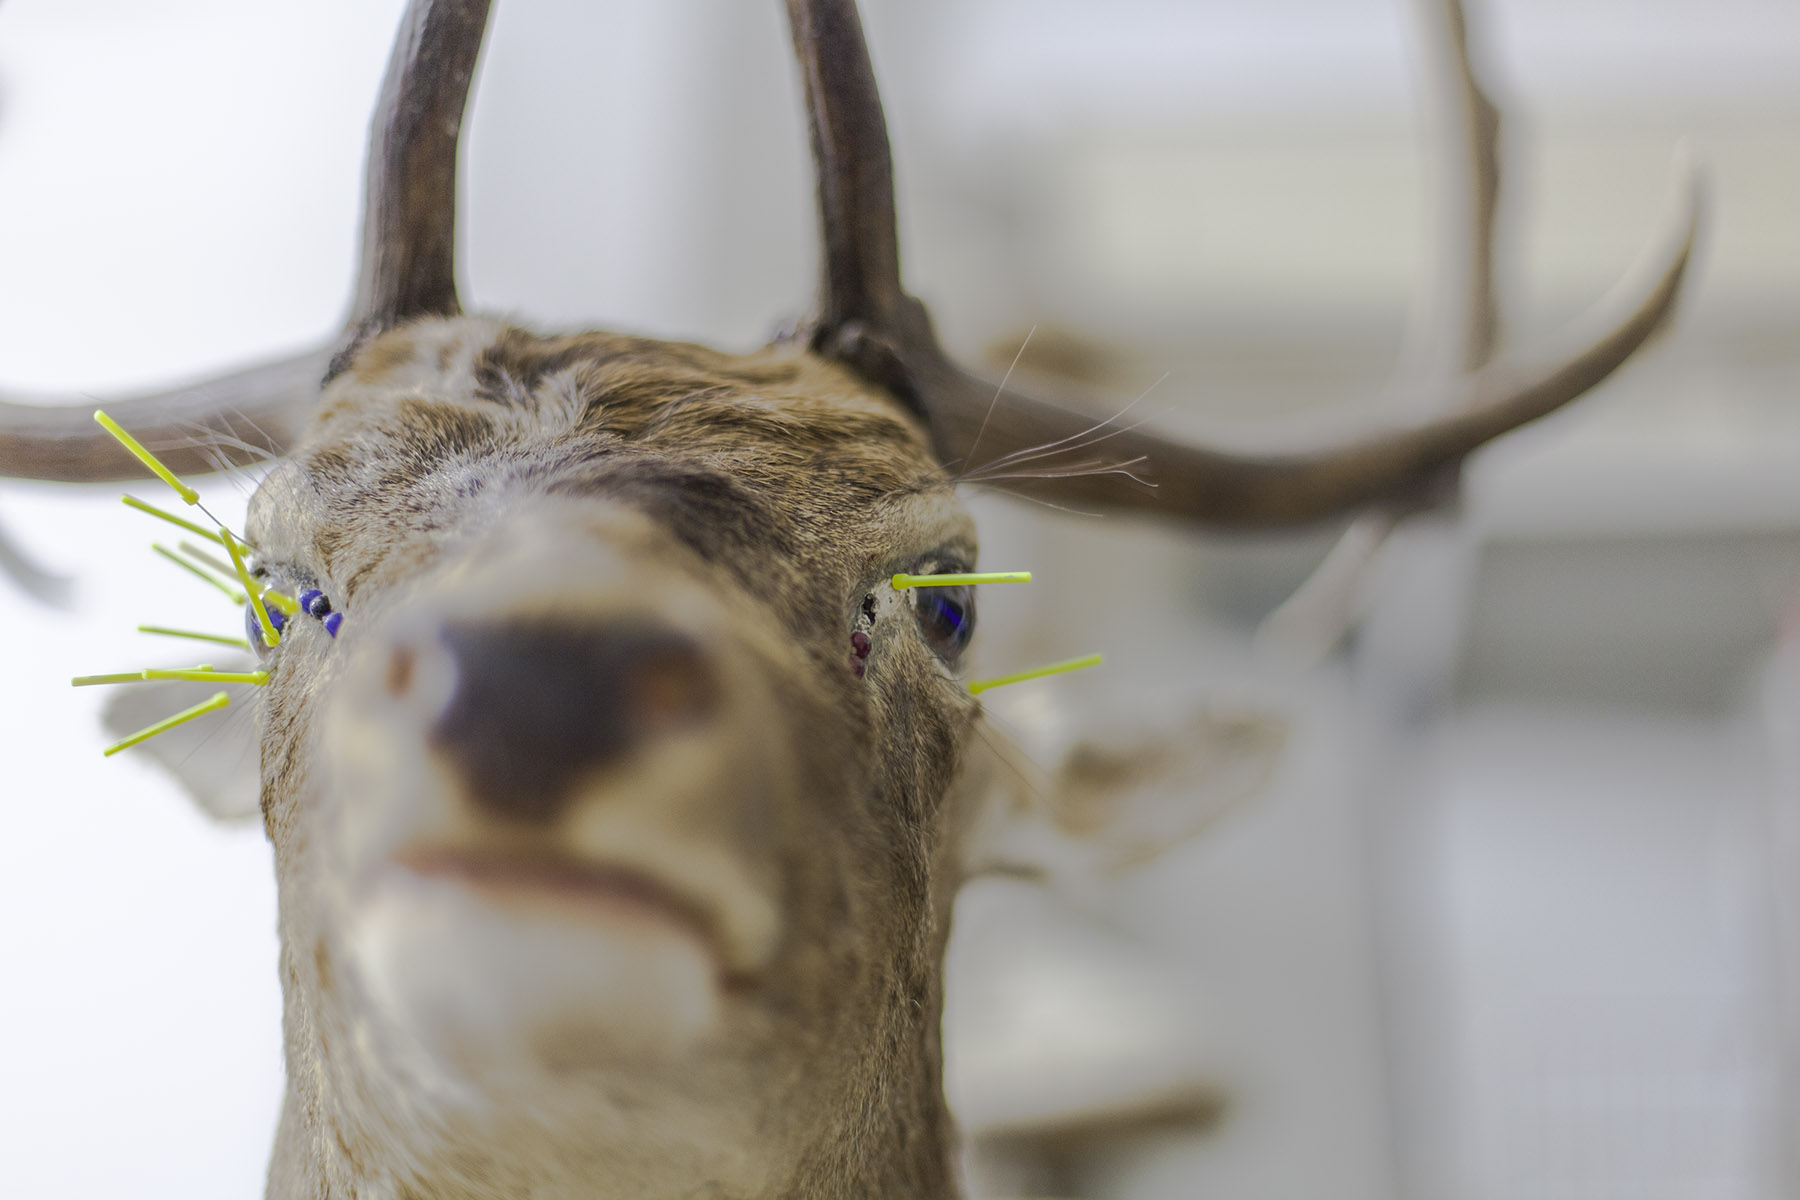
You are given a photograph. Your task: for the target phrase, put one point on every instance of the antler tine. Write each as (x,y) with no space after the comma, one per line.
(407,270)
(408,266)
(864,317)
(861,268)
(1310,622)
(1212,486)
(1473,136)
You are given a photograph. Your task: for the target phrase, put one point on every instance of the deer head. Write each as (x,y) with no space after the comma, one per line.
(617,834)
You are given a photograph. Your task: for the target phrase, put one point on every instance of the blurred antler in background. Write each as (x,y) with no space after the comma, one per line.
(1454,335)
(1454,332)
(35,581)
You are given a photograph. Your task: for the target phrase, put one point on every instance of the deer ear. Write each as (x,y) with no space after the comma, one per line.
(217,758)
(1133,781)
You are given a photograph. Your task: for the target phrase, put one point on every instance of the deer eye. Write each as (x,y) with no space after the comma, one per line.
(946,618)
(253,629)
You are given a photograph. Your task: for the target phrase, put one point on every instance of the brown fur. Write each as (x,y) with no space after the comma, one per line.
(773,486)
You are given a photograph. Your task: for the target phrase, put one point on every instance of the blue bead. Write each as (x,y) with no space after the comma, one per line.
(332,623)
(276,617)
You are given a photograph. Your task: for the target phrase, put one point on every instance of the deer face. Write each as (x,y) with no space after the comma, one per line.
(623,792)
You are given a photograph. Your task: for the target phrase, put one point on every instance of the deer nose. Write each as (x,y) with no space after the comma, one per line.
(537,705)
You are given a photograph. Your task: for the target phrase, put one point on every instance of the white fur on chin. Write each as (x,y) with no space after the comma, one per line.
(497,990)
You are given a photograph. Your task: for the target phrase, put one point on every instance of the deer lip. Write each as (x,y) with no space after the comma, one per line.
(561,879)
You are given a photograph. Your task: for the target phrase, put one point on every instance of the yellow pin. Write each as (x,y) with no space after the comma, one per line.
(1057,668)
(204,674)
(903,581)
(231,593)
(148,459)
(219,700)
(190,526)
(270,637)
(119,677)
(163,630)
(124,677)
(146,676)
(286,603)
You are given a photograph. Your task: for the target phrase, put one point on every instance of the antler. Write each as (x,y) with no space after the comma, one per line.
(1472,134)
(407,270)
(1310,622)
(409,213)
(866,320)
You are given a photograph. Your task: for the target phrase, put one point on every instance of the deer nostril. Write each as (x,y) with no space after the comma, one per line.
(538,704)
(400,671)
(671,688)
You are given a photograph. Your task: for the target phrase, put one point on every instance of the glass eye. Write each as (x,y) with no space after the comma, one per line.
(946,617)
(253,629)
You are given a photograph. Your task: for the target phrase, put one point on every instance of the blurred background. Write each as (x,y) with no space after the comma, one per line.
(1514,912)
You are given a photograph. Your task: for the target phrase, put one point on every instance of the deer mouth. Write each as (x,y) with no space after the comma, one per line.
(561,885)
(557,879)
(523,949)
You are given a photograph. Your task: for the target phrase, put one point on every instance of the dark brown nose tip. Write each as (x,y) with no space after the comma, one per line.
(538,704)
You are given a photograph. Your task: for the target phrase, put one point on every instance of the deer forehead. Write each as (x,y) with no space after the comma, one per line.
(776,466)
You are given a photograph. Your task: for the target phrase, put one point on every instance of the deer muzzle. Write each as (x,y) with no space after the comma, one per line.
(559,771)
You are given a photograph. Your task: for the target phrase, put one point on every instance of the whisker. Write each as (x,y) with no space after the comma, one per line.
(223,439)
(1077,512)
(1093,438)
(1007,750)
(234,718)
(998,392)
(267,439)
(1074,471)
(224,433)
(225,467)
(219,700)
(1051,467)
(1088,432)
(1089,473)
(231,456)
(1035,451)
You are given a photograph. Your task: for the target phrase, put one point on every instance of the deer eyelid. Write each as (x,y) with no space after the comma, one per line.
(950,558)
